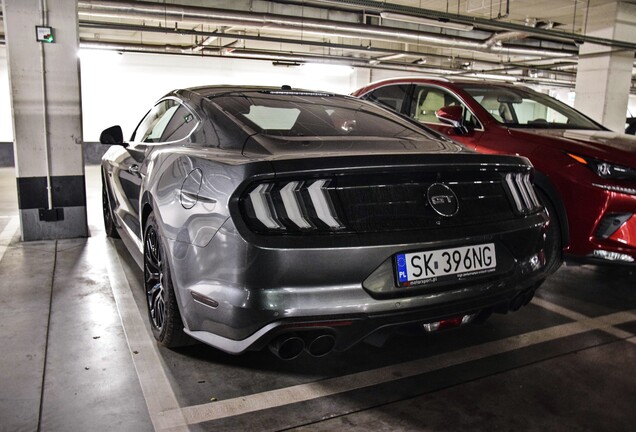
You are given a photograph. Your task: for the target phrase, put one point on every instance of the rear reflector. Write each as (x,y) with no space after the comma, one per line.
(448,323)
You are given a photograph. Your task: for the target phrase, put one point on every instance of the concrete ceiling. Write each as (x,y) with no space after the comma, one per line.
(535,41)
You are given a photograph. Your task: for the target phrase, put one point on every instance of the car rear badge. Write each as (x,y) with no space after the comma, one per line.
(442,199)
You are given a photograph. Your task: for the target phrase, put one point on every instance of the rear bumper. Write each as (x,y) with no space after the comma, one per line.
(251,295)
(349,329)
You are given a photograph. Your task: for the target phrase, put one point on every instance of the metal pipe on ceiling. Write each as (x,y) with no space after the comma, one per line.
(251,55)
(301,59)
(313,26)
(499,38)
(367,49)
(347,47)
(143,48)
(379,6)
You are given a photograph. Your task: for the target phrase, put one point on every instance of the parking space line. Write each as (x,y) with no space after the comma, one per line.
(604,323)
(154,383)
(328,387)
(166,415)
(7,234)
(553,307)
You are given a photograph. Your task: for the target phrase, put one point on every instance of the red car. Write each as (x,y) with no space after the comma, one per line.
(586,174)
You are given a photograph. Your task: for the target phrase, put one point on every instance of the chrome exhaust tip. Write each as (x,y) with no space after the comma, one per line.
(287,347)
(321,345)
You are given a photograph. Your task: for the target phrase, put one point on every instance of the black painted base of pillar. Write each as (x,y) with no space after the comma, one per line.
(74,225)
(67,217)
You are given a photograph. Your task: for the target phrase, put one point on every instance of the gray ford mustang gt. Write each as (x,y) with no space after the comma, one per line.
(307,220)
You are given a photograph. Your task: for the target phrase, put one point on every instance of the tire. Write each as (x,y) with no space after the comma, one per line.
(109,222)
(553,247)
(163,311)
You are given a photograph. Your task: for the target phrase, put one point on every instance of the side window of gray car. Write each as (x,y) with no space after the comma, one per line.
(180,125)
(152,126)
(167,121)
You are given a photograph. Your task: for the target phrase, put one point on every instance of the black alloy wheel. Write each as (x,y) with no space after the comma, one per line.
(109,222)
(163,312)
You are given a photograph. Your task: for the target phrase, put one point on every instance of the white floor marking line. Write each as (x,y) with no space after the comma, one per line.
(304,392)
(553,307)
(599,323)
(155,385)
(7,234)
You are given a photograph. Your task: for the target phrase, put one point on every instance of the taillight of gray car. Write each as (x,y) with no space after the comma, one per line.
(403,200)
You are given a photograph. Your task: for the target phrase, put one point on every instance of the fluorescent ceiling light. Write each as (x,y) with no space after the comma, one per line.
(494,77)
(391,57)
(426,21)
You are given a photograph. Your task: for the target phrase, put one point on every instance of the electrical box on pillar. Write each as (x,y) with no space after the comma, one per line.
(44,34)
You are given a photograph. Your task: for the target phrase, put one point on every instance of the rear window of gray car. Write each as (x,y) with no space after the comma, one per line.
(309,114)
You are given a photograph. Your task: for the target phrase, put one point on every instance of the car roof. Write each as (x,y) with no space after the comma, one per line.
(215,90)
(441,80)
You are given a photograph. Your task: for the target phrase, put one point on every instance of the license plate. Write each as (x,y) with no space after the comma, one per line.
(421,268)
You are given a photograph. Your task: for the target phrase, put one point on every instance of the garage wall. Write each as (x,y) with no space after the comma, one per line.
(119,88)
(6,125)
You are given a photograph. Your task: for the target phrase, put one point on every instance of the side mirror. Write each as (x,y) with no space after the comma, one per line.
(112,135)
(452,115)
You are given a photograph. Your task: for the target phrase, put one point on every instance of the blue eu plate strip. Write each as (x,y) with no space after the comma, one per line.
(400,259)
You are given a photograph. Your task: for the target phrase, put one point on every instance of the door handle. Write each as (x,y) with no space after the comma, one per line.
(133,169)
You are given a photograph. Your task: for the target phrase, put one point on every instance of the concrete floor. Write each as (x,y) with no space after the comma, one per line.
(77,355)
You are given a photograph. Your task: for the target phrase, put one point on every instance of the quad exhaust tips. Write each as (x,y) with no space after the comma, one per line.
(290,346)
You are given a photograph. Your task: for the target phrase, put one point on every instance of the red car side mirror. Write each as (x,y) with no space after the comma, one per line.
(451,115)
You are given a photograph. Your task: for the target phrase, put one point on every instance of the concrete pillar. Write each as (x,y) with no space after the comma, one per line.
(604,74)
(47,122)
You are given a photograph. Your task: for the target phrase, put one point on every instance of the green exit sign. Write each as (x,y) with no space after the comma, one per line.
(44,34)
